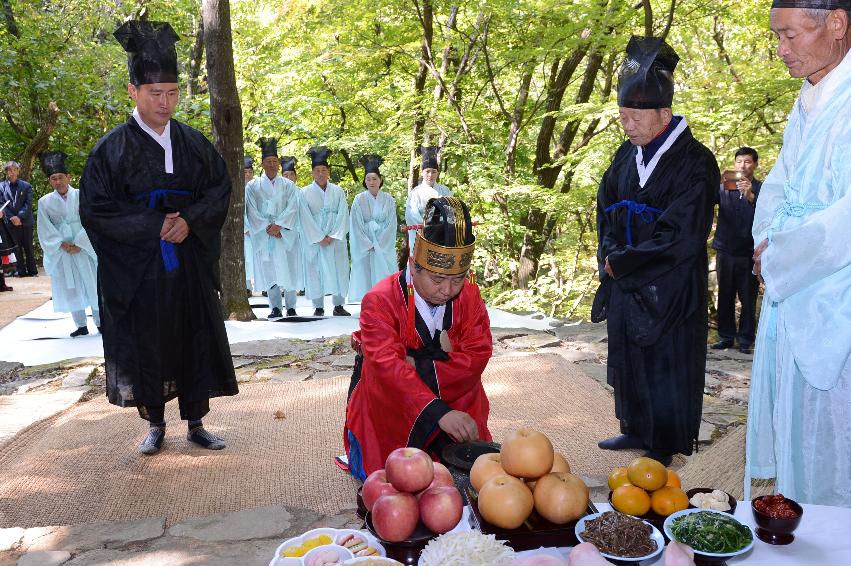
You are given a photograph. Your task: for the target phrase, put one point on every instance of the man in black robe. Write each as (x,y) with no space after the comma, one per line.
(153,198)
(654,213)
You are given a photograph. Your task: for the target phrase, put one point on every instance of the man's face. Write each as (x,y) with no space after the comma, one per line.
(249,174)
(746,164)
(643,125)
(435,288)
(321,174)
(12,174)
(271,164)
(156,103)
(373,182)
(808,49)
(59,182)
(430,176)
(289,175)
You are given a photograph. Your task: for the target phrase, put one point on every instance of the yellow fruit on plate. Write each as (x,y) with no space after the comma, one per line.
(647,473)
(618,477)
(673,479)
(631,500)
(294,552)
(668,500)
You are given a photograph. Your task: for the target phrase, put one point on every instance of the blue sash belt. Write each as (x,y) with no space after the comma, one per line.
(643,211)
(167,249)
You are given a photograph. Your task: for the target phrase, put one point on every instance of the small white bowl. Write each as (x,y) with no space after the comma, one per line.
(669,521)
(654,534)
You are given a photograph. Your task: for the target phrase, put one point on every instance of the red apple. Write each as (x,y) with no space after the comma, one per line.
(442,476)
(409,469)
(374,487)
(395,516)
(441,508)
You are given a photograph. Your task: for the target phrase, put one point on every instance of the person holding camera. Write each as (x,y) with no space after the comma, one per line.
(733,245)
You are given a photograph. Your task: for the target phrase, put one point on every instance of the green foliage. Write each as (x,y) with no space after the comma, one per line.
(342,74)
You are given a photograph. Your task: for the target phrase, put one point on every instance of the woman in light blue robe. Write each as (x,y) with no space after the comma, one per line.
(420,195)
(372,233)
(69,258)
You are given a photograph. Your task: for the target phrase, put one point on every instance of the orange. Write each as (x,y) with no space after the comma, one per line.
(668,500)
(673,479)
(647,473)
(618,478)
(631,500)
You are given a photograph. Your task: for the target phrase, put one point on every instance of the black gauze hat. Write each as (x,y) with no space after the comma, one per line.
(319,156)
(268,147)
(429,154)
(371,164)
(288,163)
(151,57)
(53,162)
(645,78)
(248,162)
(446,243)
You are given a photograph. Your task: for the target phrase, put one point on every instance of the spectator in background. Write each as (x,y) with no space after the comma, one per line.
(248,169)
(419,196)
(19,217)
(733,244)
(288,163)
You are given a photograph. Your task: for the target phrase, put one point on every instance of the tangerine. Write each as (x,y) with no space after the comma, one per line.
(647,473)
(631,500)
(668,500)
(673,479)
(618,477)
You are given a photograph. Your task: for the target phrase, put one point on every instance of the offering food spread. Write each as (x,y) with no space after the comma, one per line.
(616,534)
(776,507)
(710,532)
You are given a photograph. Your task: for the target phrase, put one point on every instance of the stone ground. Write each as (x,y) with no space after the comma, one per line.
(28,394)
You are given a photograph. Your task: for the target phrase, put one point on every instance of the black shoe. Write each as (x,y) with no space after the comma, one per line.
(291,312)
(722,345)
(153,441)
(82,331)
(248,292)
(340,311)
(660,456)
(5,288)
(319,312)
(746,349)
(275,313)
(265,293)
(204,439)
(622,442)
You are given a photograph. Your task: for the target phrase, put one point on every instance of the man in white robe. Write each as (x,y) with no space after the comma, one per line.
(246,245)
(372,233)
(272,219)
(324,225)
(288,163)
(68,254)
(799,430)
(420,195)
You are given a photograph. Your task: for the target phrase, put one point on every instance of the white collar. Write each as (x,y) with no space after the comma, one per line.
(432,316)
(164,139)
(812,95)
(644,172)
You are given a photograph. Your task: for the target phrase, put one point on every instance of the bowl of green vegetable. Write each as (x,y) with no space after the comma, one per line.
(713,535)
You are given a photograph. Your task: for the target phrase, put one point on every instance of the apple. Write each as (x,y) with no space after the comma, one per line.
(441,508)
(395,516)
(409,469)
(442,476)
(375,486)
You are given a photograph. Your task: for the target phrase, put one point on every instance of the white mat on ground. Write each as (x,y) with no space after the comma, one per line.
(42,336)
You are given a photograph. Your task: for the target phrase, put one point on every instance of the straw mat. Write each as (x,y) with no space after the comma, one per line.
(81,466)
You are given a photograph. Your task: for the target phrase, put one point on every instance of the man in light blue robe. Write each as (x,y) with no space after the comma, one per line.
(68,254)
(246,248)
(372,233)
(799,425)
(422,193)
(324,225)
(272,206)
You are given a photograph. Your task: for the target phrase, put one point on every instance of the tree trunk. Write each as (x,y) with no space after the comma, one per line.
(226,117)
(39,142)
(426,17)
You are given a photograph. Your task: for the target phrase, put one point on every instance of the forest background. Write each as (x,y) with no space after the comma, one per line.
(519,94)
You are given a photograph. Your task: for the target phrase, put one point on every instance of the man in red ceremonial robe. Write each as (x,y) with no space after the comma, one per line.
(423,343)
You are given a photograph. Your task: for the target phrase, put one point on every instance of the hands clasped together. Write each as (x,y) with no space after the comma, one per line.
(175,229)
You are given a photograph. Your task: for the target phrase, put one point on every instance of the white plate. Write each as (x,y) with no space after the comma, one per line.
(654,534)
(667,527)
(335,534)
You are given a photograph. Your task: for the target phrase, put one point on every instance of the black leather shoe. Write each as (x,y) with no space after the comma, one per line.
(662,457)
(82,331)
(276,313)
(319,312)
(153,441)
(722,345)
(622,442)
(291,312)
(340,311)
(746,349)
(204,439)
(5,288)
